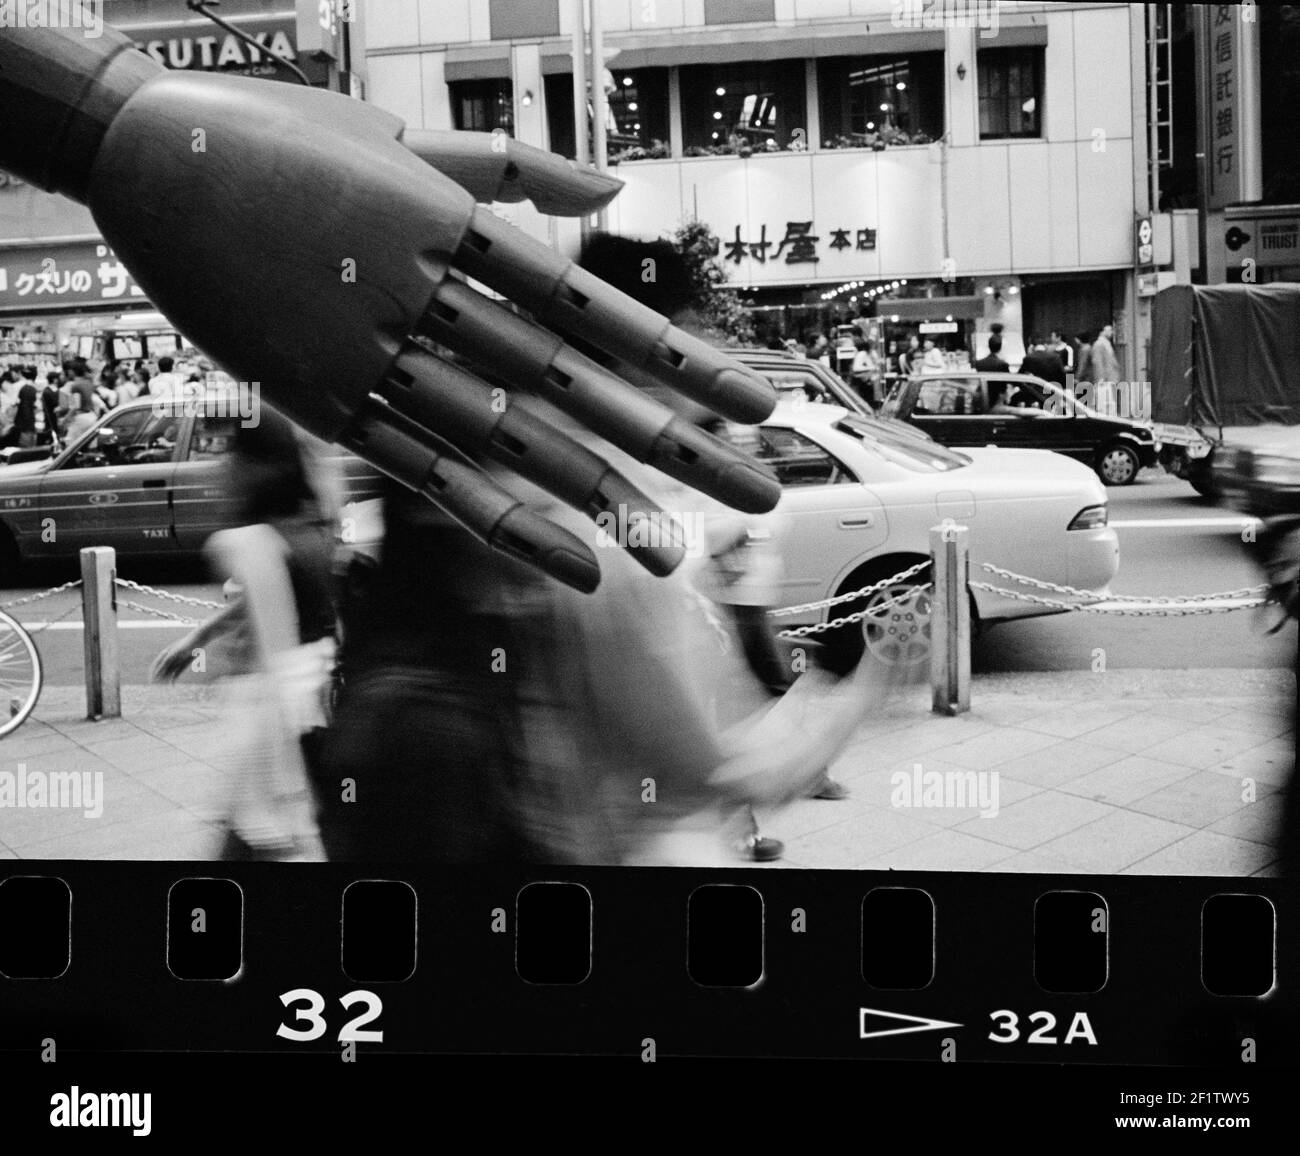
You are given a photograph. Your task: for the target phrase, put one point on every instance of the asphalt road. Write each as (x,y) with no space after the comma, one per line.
(1171,543)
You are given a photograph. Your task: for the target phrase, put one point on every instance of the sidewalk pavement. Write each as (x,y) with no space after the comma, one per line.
(1126,772)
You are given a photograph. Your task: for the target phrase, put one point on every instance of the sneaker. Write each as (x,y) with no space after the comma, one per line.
(761,849)
(828,788)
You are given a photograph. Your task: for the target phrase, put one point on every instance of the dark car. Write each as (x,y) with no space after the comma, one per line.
(795,377)
(1018,411)
(148,479)
(1261,477)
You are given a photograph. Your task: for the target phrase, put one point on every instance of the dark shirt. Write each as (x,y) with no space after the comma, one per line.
(1044,363)
(991,364)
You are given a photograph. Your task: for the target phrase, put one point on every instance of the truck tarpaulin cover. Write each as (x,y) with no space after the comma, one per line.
(1245,367)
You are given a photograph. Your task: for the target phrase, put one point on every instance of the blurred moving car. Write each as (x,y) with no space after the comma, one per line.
(1258,472)
(148,480)
(1019,411)
(860,500)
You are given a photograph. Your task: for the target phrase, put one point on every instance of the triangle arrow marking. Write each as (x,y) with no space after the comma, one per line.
(919,1024)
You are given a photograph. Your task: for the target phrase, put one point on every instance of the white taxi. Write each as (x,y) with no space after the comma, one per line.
(859,501)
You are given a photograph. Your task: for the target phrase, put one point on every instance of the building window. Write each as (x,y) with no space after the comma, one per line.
(636,122)
(736,108)
(1011,92)
(483,105)
(889,99)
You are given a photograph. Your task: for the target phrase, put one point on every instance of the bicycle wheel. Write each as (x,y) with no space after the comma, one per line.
(21,674)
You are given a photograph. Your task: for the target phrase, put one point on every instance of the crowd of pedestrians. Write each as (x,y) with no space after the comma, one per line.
(54,407)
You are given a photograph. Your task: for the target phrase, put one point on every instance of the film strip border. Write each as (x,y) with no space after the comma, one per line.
(651,963)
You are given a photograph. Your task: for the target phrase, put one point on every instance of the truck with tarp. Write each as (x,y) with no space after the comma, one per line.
(1225,359)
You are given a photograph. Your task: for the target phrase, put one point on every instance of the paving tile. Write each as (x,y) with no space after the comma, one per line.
(1036,820)
(1205,853)
(1114,842)
(1138,732)
(1260,822)
(994,748)
(1195,710)
(85,730)
(1205,746)
(143,754)
(1274,870)
(24,743)
(908,743)
(1196,801)
(1270,762)
(1071,720)
(124,801)
(1035,862)
(118,841)
(1130,778)
(942,851)
(855,842)
(1061,763)
(880,790)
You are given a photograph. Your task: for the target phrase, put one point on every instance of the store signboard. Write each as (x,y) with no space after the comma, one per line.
(56,278)
(1229,97)
(938,327)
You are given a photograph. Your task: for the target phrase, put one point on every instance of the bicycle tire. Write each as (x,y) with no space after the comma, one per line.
(17,647)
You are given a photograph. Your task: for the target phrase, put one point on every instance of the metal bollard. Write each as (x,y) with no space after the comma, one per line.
(950,619)
(99,612)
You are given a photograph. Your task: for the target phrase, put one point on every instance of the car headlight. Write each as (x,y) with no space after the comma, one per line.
(1089,518)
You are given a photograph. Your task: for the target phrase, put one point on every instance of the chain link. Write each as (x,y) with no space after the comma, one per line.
(1092,595)
(1149,612)
(157,613)
(141,588)
(901,576)
(53,590)
(818,628)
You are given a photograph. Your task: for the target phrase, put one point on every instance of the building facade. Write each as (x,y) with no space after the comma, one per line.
(62,291)
(955,165)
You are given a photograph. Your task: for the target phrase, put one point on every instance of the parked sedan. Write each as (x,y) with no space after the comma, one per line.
(1019,411)
(860,500)
(148,479)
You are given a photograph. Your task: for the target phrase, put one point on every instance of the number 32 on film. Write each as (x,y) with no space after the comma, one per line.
(1007,1030)
(351,1031)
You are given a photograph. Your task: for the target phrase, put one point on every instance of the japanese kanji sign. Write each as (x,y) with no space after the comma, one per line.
(1230,103)
(48,278)
(797,247)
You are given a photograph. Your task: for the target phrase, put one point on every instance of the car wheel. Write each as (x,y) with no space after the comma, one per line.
(895,630)
(1118,465)
(1201,476)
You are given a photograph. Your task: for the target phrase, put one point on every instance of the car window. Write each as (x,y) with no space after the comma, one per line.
(922,457)
(134,437)
(213,437)
(1016,393)
(798,460)
(948,397)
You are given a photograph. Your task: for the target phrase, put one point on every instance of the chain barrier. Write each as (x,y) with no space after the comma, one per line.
(901,576)
(53,590)
(1119,611)
(849,620)
(140,606)
(1092,595)
(139,587)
